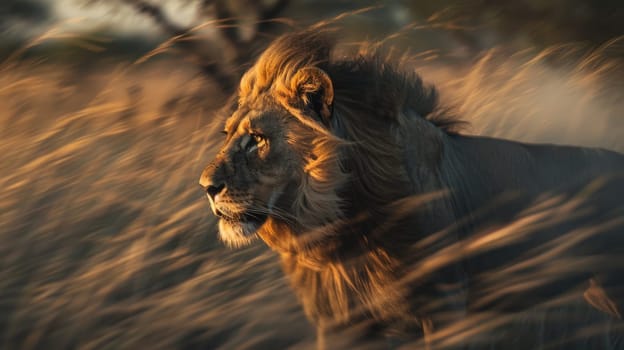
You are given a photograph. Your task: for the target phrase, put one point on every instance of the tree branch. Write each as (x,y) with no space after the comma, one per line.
(241,50)
(275,9)
(157,15)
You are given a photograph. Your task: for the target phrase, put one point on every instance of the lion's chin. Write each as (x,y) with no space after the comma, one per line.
(238,233)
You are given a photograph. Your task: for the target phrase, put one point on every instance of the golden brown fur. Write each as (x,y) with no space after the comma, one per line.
(312,259)
(356,177)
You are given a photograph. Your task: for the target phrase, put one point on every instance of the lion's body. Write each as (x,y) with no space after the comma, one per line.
(386,219)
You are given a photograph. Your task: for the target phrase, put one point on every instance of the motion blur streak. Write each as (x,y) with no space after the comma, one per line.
(106,241)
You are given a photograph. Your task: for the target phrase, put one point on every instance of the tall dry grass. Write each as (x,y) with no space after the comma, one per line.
(567,94)
(106,238)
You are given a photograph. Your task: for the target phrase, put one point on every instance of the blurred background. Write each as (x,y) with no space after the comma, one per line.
(107,116)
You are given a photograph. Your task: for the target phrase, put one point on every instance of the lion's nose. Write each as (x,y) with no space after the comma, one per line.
(213,190)
(213,183)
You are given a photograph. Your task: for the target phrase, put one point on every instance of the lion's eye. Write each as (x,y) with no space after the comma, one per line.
(258,141)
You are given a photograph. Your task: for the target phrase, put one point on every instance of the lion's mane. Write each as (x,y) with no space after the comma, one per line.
(341,267)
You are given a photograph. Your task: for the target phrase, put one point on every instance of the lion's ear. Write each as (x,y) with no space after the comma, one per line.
(315,89)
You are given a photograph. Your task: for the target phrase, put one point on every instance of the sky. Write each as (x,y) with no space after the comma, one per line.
(74,15)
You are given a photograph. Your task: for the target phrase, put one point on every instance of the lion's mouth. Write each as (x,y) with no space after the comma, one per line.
(249,223)
(246,218)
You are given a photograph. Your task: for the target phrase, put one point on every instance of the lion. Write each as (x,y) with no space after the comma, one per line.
(387,219)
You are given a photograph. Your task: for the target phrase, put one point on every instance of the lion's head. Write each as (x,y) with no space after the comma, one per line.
(279,159)
(302,147)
